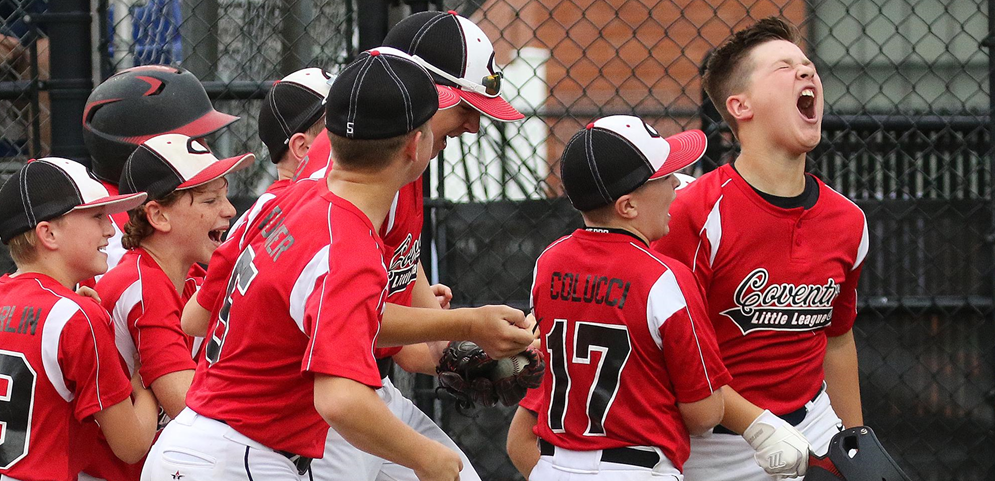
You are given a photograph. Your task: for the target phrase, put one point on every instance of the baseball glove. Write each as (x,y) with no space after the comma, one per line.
(472,377)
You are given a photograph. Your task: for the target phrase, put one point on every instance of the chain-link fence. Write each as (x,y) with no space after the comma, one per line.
(907,136)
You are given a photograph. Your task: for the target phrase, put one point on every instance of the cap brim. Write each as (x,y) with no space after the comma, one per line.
(496,108)
(218,170)
(116,203)
(685,149)
(207,124)
(447,97)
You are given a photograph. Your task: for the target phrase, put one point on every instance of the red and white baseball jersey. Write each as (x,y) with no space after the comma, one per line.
(58,367)
(777,281)
(145,313)
(401,231)
(145,309)
(627,338)
(305,295)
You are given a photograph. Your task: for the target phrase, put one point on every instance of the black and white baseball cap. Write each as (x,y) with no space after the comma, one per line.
(170,162)
(460,58)
(613,156)
(382,94)
(47,188)
(292,106)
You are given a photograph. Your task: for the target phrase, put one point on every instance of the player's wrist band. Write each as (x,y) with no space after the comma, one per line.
(630,456)
(793,418)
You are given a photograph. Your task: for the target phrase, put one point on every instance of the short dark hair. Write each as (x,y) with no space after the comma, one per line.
(728,69)
(369,155)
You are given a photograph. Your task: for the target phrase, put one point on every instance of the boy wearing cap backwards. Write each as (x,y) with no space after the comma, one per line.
(58,366)
(778,254)
(633,365)
(291,118)
(294,325)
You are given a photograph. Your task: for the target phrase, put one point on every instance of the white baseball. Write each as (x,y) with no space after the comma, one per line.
(509,366)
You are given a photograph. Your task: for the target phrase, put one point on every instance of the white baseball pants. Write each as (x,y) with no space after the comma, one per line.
(195,448)
(568,465)
(728,457)
(343,461)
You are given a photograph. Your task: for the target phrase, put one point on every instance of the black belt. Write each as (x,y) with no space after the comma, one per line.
(630,456)
(302,463)
(793,418)
(384,365)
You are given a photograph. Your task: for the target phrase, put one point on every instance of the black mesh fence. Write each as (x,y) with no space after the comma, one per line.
(907,136)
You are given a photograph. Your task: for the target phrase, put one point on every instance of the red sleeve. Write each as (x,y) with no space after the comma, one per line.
(687,243)
(162,345)
(90,364)
(690,350)
(348,306)
(532,400)
(845,307)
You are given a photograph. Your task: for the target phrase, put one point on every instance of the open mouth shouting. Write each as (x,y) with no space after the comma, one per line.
(806,104)
(216,236)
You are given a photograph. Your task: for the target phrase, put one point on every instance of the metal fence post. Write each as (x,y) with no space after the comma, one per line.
(198,35)
(372,24)
(298,15)
(989,42)
(71,77)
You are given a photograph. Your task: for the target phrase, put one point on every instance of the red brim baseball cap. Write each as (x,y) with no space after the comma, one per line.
(456,46)
(496,108)
(47,188)
(447,97)
(218,170)
(685,149)
(171,162)
(613,156)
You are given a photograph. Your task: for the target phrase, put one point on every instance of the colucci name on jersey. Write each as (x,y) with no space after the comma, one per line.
(403,265)
(781,307)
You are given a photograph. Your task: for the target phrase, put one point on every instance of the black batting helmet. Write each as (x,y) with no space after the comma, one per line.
(139,103)
(855,455)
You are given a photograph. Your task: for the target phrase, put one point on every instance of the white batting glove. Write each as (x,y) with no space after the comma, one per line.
(781,450)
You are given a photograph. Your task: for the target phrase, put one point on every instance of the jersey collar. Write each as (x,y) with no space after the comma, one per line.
(615,230)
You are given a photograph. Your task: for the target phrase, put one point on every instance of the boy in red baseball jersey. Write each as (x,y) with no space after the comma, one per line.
(633,366)
(59,371)
(179,226)
(778,254)
(295,322)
